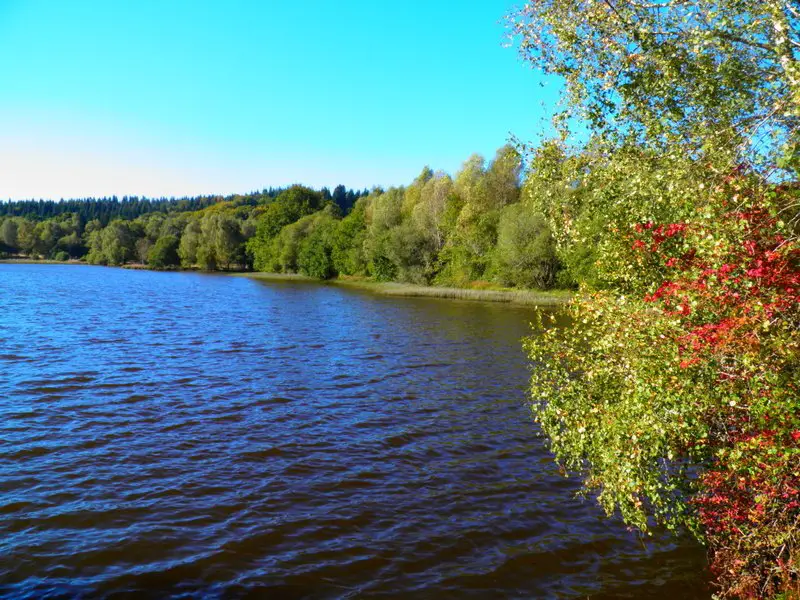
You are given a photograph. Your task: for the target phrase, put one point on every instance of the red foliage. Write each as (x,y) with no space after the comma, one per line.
(731,282)
(742,287)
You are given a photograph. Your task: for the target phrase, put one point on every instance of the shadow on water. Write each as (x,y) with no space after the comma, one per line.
(176,434)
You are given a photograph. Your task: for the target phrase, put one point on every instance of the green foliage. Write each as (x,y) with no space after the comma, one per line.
(471,222)
(704,75)
(206,257)
(143,246)
(412,253)
(288,207)
(25,237)
(379,256)
(503,177)
(412,195)
(315,258)
(71,244)
(8,234)
(190,243)
(639,396)
(284,249)
(222,241)
(437,229)
(674,393)
(525,255)
(625,420)
(112,245)
(382,268)
(383,213)
(347,250)
(105,210)
(587,197)
(164,253)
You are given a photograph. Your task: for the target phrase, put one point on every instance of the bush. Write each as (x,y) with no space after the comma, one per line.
(164,253)
(525,255)
(315,256)
(680,401)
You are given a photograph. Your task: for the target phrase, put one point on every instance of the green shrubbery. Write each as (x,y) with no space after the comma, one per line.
(437,230)
(164,253)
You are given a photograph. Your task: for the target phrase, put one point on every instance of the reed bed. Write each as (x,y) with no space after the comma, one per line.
(526,297)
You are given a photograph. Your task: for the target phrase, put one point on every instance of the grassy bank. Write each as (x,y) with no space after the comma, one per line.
(36,261)
(526,297)
(511,296)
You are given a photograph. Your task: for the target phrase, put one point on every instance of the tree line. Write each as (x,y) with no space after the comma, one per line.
(441,230)
(203,232)
(476,226)
(105,210)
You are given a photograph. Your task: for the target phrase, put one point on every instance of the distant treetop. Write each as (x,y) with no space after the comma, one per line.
(107,209)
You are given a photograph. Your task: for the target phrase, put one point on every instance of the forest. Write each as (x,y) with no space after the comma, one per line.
(478,227)
(130,207)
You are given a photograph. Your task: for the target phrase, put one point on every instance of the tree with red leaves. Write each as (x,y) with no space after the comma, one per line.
(676,393)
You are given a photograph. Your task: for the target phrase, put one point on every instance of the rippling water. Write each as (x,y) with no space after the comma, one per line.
(185,435)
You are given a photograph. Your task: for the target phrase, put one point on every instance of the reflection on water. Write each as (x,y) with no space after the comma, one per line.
(180,434)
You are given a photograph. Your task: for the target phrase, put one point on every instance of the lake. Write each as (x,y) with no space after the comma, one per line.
(185,435)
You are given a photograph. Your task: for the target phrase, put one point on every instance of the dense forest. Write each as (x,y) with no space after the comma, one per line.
(105,210)
(478,226)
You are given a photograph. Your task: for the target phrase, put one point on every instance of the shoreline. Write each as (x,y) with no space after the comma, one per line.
(543,298)
(43,261)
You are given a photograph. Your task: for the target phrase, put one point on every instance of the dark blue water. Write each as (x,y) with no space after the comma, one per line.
(188,435)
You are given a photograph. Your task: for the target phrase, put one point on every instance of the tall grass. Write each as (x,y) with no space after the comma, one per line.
(531,297)
(526,297)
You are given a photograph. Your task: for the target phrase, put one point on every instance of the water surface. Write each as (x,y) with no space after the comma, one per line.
(184,435)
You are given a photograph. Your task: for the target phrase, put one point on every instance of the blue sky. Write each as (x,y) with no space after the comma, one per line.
(175,97)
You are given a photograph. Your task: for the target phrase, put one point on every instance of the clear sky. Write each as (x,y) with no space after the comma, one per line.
(183,97)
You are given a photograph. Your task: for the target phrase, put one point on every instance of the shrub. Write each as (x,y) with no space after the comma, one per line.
(164,253)
(681,401)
